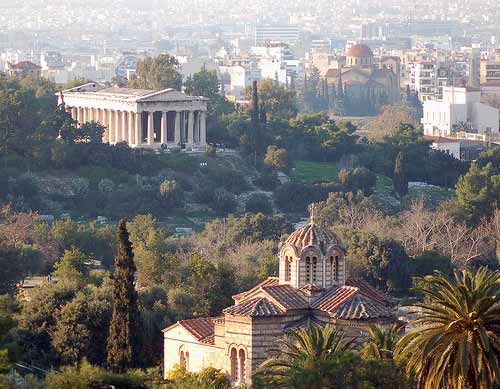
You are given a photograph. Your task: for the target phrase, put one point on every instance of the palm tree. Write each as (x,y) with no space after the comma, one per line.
(456,342)
(304,356)
(380,342)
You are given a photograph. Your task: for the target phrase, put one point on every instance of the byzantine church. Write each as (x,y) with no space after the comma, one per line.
(364,78)
(312,289)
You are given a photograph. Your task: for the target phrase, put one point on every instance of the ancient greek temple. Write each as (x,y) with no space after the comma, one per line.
(142,118)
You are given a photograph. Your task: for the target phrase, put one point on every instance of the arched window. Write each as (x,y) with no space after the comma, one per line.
(182,361)
(234,365)
(242,366)
(308,269)
(288,268)
(332,268)
(314,267)
(336,268)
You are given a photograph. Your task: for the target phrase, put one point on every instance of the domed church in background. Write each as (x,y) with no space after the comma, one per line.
(312,289)
(366,82)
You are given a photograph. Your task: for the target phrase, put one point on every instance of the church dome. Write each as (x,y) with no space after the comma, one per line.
(312,235)
(359,55)
(359,51)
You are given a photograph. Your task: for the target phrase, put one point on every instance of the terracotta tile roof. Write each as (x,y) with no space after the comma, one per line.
(334,297)
(333,72)
(201,328)
(359,50)
(361,308)
(312,234)
(311,289)
(210,339)
(24,65)
(369,291)
(287,296)
(258,306)
(266,282)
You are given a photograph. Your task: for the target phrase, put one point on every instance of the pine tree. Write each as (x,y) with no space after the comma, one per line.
(399,179)
(124,326)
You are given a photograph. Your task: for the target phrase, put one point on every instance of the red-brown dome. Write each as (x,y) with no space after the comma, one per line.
(312,235)
(359,51)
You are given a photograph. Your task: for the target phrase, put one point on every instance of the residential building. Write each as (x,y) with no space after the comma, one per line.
(490,68)
(460,110)
(276,33)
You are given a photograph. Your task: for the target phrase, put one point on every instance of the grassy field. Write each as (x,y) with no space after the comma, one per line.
(305,171)
(433,195)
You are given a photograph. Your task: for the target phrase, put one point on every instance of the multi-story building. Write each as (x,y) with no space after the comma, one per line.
(460,110)
(490,69)
(423,79)
(276,33)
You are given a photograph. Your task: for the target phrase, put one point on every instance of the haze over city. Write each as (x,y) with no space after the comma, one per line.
(218,194)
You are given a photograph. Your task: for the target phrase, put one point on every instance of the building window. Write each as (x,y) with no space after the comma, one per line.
(182,361)
(242,366)
(332,269)
(288,268)
(336,268)
(314,267)
(308,269)
(234,365)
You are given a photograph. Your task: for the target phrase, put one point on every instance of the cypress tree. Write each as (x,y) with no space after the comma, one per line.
(124,326)
(263,115)
(255,119)
(399,179)
(326,94)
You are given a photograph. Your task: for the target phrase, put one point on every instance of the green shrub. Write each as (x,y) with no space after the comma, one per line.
(258,203)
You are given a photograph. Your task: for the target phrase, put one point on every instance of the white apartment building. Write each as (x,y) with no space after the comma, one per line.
(460,107)
(237,78)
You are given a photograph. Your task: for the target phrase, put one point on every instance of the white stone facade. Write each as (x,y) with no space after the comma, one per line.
(141,118)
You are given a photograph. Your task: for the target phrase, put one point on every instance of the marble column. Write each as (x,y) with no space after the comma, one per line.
(102,120)
(91,115)
(85,115)
(118,127)
(177,131)
(131,128)
(164,128)
(138,128)
(151,132)
(124,125)
(80,115)
(190,133)
(110,125)
(203,128)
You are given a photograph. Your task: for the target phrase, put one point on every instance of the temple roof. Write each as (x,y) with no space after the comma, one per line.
(127,91)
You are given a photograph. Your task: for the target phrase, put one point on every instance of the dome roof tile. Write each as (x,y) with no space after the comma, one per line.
(359,51)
